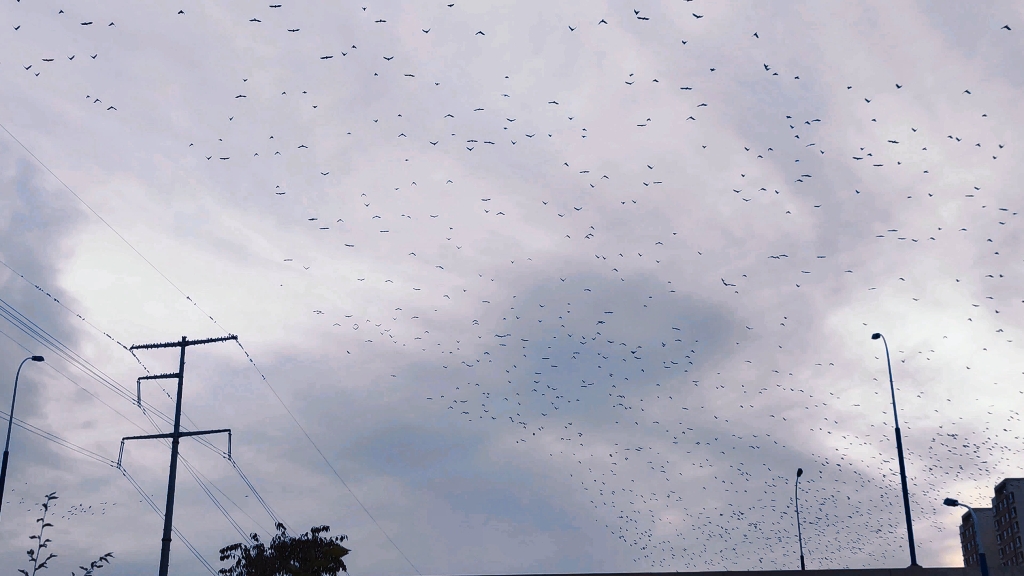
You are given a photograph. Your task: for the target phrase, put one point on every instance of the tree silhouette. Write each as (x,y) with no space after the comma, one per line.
(305,555)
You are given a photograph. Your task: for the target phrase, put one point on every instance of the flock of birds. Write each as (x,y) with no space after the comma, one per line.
(667,401)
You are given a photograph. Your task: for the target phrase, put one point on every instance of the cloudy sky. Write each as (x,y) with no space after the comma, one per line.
(518,286)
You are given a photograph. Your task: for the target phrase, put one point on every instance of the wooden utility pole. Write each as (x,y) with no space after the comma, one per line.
(165,549)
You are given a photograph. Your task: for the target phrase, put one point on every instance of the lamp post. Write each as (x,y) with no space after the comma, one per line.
(10,421)
(796,498)
(977,533)
(899,450)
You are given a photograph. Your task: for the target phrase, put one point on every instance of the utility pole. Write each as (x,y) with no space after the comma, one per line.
(165,549)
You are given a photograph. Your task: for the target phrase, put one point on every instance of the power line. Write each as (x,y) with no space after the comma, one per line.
(118,234)
(59,441)
(40,335)
(205,443)
(256,494)
(62,305)
(328,462)
(37,333)
(33,330)
(177,533)
(66,377)
(49,436)
(94,327)
(16,343)
(194,303)
(26,325)
(240,509)
(103,460)
(217,503)
(86,452)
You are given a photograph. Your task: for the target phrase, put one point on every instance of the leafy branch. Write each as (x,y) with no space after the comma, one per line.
(34,556)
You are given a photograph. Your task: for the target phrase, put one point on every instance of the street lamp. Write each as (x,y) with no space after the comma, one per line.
(10,421)
(796,498)
(977,533)
(899,450)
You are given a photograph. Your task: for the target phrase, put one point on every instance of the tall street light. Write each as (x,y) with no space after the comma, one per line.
(977,533)
(10,421)
(796,498)
(899,449)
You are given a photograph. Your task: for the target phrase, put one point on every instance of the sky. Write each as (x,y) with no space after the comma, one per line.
(518,287)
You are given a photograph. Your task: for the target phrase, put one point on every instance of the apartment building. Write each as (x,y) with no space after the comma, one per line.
(968,538)
(1010,550)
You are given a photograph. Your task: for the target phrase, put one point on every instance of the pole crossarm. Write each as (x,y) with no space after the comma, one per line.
(172,435)
(167,376)
(182,343)
(138,383)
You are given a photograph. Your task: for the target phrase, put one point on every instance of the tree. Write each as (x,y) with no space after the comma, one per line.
(305,555)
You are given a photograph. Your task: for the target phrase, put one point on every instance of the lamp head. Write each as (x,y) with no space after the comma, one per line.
(950,502)
(799,472)
(876,335)
(37,358)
